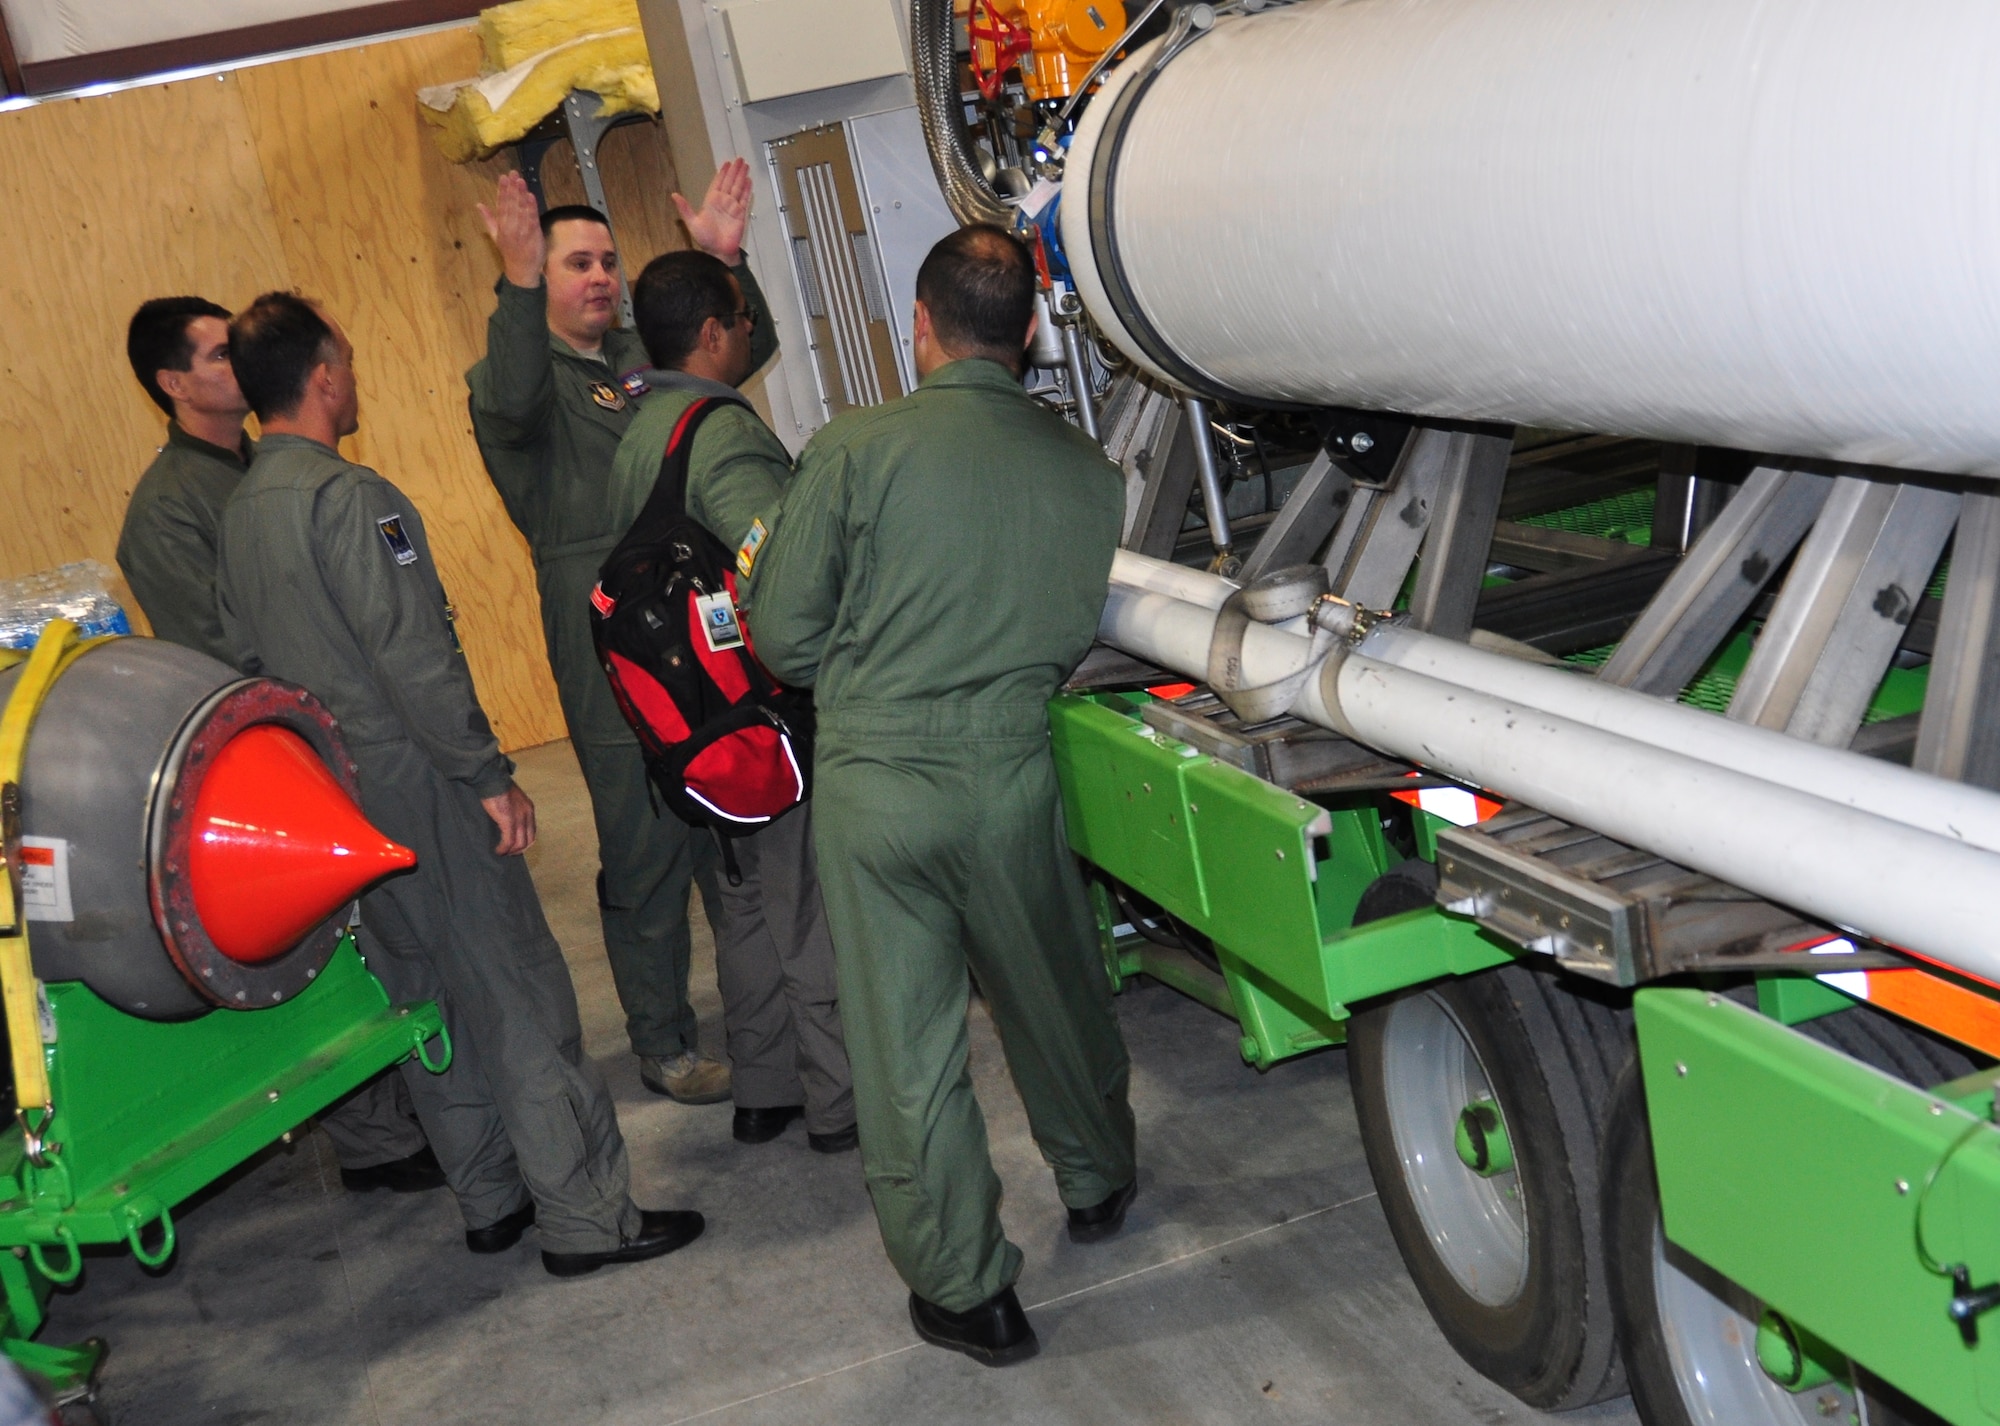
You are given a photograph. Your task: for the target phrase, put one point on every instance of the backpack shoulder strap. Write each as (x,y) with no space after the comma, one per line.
(668,501)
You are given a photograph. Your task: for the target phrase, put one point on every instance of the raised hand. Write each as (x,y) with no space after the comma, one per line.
(514,222)
(725,210)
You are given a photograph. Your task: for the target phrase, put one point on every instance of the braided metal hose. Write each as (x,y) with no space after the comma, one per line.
(970,197)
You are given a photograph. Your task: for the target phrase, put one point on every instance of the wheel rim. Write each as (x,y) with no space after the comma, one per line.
(1477,1224)
(1710,1329)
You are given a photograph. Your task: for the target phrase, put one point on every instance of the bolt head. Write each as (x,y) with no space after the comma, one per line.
(1361,443)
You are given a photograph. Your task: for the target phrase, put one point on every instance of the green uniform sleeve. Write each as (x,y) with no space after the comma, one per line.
(764,336)
(796,584)
(167,552)
(737,472)
(514,388)
(398,615)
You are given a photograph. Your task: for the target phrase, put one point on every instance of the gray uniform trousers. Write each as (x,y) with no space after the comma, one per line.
(649,859)
(522,1111)
(377,1123)
(780,992)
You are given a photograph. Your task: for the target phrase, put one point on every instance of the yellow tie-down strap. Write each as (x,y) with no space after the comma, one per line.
(58,648)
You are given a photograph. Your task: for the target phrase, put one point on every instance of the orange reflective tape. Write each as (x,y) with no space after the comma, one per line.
(1938,1004)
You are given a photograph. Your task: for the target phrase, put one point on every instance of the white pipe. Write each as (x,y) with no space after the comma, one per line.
(1177,581)
(1864,873)
(1932,804)
(1852,867)
(1769,226)
(1175,634)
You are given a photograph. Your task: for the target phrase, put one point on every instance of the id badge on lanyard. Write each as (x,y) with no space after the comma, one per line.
(719,626)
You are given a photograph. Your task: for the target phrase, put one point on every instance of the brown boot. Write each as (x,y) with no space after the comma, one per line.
(686,1077)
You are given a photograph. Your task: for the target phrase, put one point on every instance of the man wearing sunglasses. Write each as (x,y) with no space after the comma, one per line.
(550,400)
(704,328)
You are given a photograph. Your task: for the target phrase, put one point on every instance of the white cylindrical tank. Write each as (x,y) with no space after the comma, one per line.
(1771,225)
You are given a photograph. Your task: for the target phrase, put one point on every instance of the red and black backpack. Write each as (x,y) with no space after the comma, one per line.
(727,745)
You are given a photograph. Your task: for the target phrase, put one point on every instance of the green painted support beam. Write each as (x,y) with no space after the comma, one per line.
(1805,1176)
(149,1112)
(1795,999)
(1271,879)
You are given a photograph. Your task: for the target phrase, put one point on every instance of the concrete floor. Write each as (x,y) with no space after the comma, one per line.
(1255,1281)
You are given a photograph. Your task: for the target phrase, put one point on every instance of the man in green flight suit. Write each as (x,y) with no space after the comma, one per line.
(326,579)
(773,953)
(550,402)
(179,350)
(937,569)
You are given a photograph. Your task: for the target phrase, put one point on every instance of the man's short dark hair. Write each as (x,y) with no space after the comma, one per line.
(157,340)
(674,296)
(979,287)
(275,343)
(571,213)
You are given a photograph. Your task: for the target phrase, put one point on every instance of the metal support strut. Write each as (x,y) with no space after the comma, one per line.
(584,124)
(1205,471)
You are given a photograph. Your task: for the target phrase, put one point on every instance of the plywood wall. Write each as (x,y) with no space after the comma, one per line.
(316,174)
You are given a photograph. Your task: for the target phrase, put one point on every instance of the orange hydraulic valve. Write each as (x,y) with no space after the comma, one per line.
(278,845)
(1054,41)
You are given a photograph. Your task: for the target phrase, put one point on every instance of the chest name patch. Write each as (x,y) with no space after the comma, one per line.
(746,553)
(397,539)
(607,396)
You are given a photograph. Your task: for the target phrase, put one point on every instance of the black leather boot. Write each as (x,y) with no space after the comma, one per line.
(760,1126)
(499,1237)
(996,1333)
(419,1173)
(660,1232)
(1101,1220)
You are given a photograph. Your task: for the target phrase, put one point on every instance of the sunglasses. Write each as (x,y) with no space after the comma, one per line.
(747,314)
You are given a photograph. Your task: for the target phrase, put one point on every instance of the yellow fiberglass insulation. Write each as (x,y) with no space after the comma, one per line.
(536,52)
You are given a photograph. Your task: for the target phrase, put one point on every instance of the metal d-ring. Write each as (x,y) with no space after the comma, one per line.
(69,1274)
(135,1225)
(424,1051)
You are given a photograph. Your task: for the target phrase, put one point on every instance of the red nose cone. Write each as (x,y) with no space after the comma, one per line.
(278,845)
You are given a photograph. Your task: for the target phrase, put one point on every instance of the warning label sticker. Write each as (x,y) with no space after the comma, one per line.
(45,879)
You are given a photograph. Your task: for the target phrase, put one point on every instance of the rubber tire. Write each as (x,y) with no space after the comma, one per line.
(1407,886)
(1631,1206)
(1552,1048)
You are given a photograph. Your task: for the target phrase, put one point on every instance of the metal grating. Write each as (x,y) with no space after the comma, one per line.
(809,288)
(1626,517)
(846,300)
(837,269)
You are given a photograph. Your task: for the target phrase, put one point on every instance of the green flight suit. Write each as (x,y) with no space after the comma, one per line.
(167,545)
(548,421)
(938,567)
(326,579)
(773,951)
(166,548)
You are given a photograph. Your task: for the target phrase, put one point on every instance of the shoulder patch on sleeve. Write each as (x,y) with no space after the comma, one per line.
(634,383)
(746,553)
(397,539)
